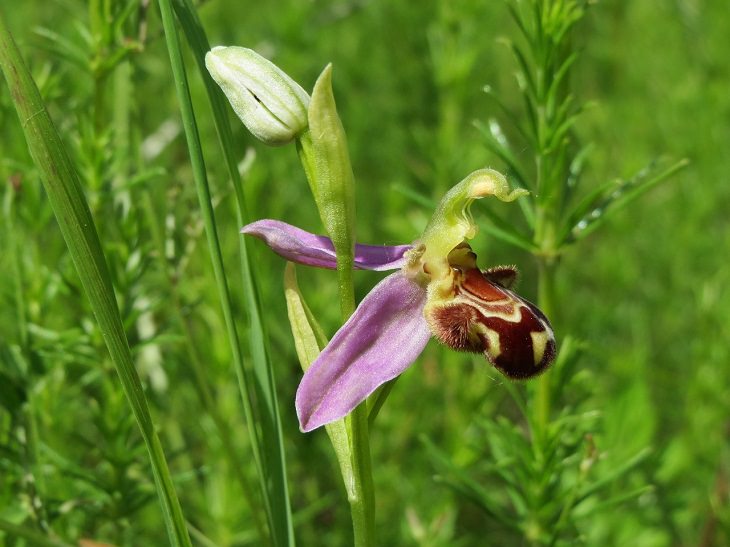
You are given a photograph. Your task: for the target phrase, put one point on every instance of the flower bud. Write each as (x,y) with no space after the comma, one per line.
(269,103)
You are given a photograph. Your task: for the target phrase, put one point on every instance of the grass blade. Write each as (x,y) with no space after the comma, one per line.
(65,194)
(258,393)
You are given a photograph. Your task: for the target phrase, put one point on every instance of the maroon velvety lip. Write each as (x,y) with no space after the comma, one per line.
(485,317)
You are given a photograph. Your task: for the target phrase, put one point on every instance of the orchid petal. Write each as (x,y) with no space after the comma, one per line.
(381,339)
(302,247)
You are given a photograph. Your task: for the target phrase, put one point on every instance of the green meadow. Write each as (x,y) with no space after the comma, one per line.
(163,413)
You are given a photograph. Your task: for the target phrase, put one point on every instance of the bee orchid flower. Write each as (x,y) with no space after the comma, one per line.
(437,290)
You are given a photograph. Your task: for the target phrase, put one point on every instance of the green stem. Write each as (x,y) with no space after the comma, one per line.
(545,300)
(306,156)
(204,199)
(362,497)
(362,500)
(201,384)
(361,492)
(271,439)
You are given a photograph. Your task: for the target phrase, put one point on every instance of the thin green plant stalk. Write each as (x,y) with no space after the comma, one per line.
(71,209)
(202,387)
(266,440)
(204,198)
(344,262)
(326,164)
(362,494)
(274,482)
(546,299)
(550,171)
(362,503)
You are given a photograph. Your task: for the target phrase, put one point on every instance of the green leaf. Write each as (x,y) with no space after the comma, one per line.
(592,213)
(63,188)
(466,486)
(309,338)
(258,393)
(63,47)
(415,196)
(504,231)
(522,61)
(502,150)
(496,142)
(614,474)
(612,502)
(558,77)
(507,113)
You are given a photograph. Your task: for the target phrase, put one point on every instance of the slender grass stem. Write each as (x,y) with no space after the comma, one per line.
(202,387)
(204,198)
(274,480)
(258,393)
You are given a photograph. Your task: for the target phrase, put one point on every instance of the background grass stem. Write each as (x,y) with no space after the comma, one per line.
(257,393)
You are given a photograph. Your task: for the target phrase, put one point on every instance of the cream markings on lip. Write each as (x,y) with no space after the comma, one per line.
(484,316)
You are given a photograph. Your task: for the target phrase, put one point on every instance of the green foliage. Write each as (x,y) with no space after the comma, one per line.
(632,447)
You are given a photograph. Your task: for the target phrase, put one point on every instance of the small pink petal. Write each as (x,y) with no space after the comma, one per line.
(383,337)
(302,247)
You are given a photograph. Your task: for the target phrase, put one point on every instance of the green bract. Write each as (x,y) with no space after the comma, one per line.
(326,160)
(269,103)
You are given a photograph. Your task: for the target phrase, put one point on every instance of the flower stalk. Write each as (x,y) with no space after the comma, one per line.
(546,299)
(325,159)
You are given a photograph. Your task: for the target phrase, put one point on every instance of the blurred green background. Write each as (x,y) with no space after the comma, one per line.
(647,294)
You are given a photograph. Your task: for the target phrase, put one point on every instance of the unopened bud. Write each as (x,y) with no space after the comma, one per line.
(269,103)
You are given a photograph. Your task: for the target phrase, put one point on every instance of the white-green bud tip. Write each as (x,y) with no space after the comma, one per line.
(269,103)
